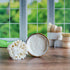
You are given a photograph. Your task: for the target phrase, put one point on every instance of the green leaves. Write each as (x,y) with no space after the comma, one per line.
(4,43)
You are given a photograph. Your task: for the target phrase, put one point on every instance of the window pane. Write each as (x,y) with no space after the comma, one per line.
(32,15)
(59,3)
(42,15)
(67,3)
(32,28)
(59,16)
(67,16)
(42,3)
(14,30)
(4,15)
(62,26)
(4,30)
(31,3)
(67,28)
(4,3)
(42,28)
(14,3)
(14,17)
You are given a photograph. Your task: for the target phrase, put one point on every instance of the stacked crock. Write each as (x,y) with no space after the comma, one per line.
(66,40)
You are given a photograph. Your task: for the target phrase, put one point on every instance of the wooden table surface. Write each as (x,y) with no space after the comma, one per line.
(55,59)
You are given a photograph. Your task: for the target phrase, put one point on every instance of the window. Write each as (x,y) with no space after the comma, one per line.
(14,24)
(37,17)
(21,18)
(62,14)
(9,19)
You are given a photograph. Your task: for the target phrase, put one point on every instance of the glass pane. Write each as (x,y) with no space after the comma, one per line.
(67,16)
(59,3)
(4,3)
(31,3)
(42,28)
(4,15)
(62,26)
(14,15)
(67,28)
(42,3)
(32,16)
(67,3)
(42,15)
(32,28)
(4,30)
(14,3)
(59,16)
(14,30)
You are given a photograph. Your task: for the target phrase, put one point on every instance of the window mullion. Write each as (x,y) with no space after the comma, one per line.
(23,20)
(51,11)
(9,18)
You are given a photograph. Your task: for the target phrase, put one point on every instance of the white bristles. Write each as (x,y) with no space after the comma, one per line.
(17,50)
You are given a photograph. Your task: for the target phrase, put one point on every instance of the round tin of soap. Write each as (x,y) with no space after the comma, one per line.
(37,44)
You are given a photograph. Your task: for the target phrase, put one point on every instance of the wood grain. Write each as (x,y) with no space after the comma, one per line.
(55,59)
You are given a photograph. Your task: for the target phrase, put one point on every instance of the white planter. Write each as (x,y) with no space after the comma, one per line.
(54,36)
(57,43)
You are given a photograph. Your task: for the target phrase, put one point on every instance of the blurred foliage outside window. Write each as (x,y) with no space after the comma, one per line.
(62,14)
(9,16)
(9,20)
(37,17)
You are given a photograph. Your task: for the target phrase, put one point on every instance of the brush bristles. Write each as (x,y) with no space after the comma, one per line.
(17,50)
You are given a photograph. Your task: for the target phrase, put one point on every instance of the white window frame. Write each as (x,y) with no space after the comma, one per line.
(22,23)
(64,14)
(23,19)
(37,23)
(51,11)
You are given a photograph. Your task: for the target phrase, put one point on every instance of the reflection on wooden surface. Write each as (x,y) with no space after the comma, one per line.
(55,59)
